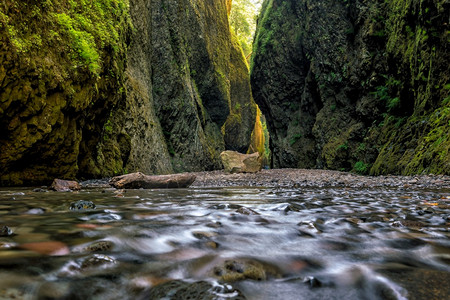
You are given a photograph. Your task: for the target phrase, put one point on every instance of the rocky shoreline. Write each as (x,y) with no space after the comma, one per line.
(295,178)
(317,178)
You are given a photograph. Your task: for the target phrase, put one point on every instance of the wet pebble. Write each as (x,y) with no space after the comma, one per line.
(246,211)
(97,260)
(204,234)
(100,246)
(82,205)
(312,282)
(408,223)
(211,244)
(47,248)
(104,217)
(36,211)
(214,224)
(235,270)
(7,245)
(294,207)
(405,243)
(200,290)
(5,231)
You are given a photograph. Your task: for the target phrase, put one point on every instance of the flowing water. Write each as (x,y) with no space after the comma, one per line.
(225,243)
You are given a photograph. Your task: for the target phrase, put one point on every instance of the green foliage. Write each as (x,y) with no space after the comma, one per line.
(83,43)
(361,168)
(343,146)
(383,93)
(243,22)
(361,147)
(333,107)
(295,138)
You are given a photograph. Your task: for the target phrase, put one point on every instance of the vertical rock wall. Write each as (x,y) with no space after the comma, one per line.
(61,73)
(98,88)
(355,85)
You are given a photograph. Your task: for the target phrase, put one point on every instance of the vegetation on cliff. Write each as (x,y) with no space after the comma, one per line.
(355,85)
(243,17)
(84,94)
(62,68)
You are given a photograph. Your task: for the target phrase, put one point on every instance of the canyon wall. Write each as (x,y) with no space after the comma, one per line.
(98,88)
(355,85)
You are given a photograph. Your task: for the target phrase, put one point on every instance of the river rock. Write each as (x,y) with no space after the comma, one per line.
(235,162)
(139,180)
(100,246)
(200,290)
(82,205)
(236,270)
(61,185)
(47,247)
(5,231)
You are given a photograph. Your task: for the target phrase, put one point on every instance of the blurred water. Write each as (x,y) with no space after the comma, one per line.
(309,243)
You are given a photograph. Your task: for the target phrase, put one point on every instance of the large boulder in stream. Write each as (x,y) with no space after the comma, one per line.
(235,162)
(139,180)
(61,185)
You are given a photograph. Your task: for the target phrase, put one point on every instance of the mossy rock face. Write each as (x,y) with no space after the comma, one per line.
(62,67)
(100,88)
(355,85)
(199,78)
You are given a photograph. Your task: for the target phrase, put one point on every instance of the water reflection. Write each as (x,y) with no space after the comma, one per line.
(225,243)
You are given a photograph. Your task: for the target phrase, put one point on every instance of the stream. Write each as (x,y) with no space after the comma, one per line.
(225,243)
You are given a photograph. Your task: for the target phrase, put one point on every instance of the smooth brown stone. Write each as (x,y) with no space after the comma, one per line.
(47,248)
(60,185)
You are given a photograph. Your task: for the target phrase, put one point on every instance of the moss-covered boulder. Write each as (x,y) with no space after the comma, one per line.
(355,85)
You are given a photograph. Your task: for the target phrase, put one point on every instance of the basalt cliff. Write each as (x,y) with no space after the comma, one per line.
(97,88)
(355,85)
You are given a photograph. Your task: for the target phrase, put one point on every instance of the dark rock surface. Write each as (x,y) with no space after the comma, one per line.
(355,85)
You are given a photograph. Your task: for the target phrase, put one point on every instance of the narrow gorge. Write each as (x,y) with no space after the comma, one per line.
(92,89)
(98,88)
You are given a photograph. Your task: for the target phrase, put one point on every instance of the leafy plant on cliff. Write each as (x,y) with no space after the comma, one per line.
(361,168)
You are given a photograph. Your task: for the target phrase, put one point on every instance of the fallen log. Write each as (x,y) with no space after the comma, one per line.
(139,180)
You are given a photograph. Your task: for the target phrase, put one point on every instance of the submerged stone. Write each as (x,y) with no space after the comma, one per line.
(200,290)
(82,205)
(5,231)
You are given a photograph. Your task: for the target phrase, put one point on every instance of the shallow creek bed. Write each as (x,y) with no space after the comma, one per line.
(288,236)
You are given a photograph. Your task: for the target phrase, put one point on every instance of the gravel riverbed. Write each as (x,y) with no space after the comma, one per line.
(317,178)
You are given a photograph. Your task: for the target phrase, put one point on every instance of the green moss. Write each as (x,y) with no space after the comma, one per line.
(69,59)
(90,26)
